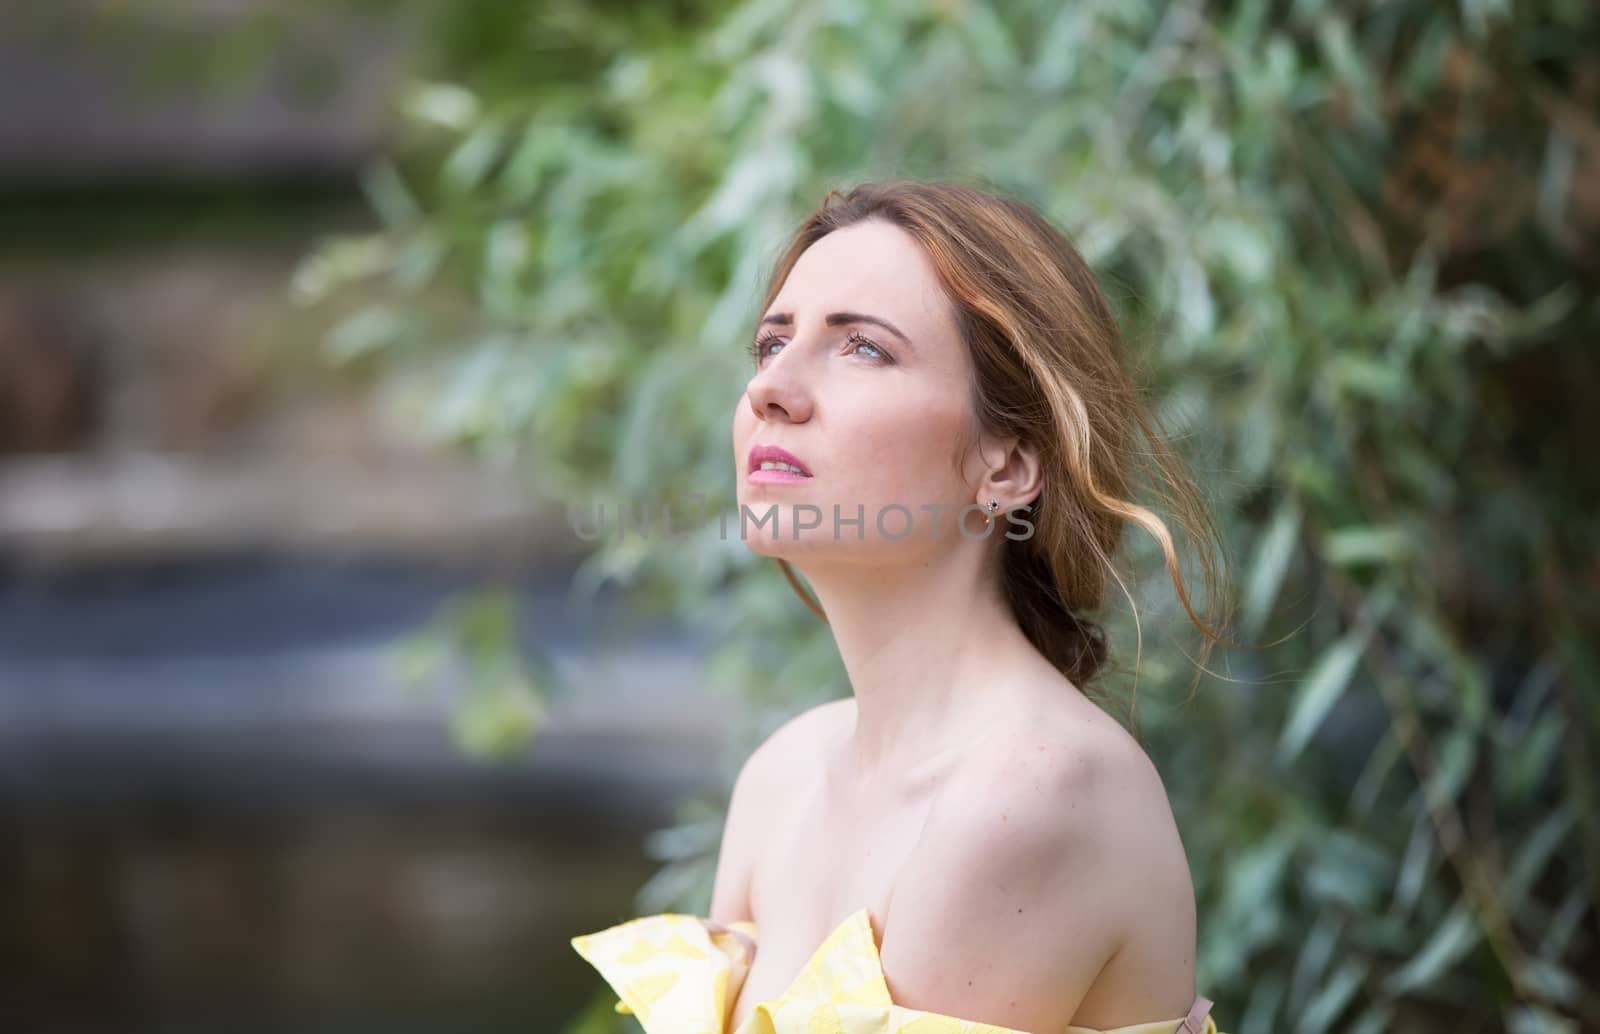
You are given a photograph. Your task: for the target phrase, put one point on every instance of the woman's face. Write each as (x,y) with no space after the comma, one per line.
(872,410)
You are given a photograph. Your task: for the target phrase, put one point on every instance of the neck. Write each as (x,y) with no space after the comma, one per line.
(928,646)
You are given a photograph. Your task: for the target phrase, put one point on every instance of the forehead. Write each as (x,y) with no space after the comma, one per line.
(870,267)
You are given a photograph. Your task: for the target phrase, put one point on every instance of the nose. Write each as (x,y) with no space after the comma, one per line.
(777,391)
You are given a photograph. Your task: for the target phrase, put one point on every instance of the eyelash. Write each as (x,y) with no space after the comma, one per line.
(758,346)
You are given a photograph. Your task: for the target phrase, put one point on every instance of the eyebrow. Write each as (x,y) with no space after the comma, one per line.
(837,319)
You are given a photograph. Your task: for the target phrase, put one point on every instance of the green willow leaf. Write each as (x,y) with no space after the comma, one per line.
(1267,568)
(1451,940)
(1322,688)
(1333,997)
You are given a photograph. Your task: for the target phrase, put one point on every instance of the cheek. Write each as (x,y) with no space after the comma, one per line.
(905,449)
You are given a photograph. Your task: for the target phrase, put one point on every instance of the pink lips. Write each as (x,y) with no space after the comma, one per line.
(771,453)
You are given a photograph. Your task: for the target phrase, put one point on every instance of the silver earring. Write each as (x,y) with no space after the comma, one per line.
(994,504)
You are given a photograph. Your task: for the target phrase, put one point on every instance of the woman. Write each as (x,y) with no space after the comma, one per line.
(938,432)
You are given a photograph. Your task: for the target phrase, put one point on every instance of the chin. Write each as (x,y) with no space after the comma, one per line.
(784,545)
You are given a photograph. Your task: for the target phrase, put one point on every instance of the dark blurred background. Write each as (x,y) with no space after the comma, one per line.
(223,806)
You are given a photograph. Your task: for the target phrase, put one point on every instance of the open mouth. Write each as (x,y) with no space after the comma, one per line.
(770,463)
(789,467)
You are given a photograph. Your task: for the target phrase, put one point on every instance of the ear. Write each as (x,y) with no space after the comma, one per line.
(1014,475)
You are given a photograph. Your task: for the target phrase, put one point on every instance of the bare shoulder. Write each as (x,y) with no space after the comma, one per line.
(1039,862)
(1087,787)
(765,776)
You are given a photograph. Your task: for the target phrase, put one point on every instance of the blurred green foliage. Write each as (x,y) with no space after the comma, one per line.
(1354,249)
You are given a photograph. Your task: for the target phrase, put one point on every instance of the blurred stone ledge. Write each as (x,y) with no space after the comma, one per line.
(274,686)
(94,93)
(86,509)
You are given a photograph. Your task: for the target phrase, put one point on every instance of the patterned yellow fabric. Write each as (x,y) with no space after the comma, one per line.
(679,976)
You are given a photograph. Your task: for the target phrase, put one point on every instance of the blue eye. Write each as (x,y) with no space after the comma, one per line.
(864,342)
(758,350)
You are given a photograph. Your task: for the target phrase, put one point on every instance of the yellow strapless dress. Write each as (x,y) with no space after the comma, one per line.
(680,974)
